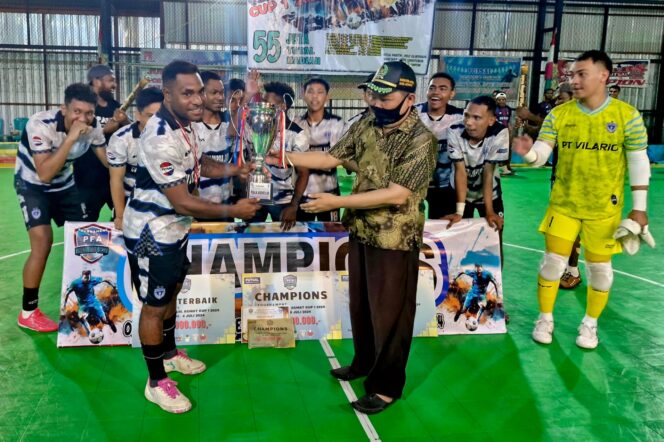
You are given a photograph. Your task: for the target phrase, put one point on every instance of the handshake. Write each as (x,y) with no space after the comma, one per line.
(630,234)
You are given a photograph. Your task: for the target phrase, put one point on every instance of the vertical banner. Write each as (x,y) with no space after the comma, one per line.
(338,36)
(94,307)
(482,75)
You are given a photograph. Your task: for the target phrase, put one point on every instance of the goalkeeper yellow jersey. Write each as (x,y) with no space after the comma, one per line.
(590,173)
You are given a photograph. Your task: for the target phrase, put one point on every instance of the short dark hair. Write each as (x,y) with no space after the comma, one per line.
(148,96)
(209,75)
(236,84)
(597,57)
(284,91)
(317,80)
(485,100)
(549,89)
(615,86)
(80,92)
(444,75)
(175,68)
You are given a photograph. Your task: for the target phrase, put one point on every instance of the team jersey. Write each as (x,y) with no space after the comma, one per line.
(354,119)
(85,291)
(504,115)
(439,126)
(44,134)
(168,156)
(122,151)
(214,143)
(494,148)
(590,169)
(322,135)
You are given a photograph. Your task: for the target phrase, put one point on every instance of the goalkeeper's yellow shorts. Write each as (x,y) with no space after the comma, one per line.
(596,234)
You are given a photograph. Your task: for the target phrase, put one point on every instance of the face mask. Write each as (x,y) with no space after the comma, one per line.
(385,117)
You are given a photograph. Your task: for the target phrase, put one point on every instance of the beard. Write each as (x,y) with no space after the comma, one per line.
(107,96)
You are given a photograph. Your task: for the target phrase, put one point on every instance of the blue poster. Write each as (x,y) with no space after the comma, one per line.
(482,75)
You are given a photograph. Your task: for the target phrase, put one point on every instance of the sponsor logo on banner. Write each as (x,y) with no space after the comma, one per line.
(186,285)
(252,280)
(290,282)
(91,242)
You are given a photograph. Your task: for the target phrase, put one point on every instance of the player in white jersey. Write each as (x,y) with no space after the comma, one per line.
(324,129)
(366,97)
(438,115)
(475,148)
(214,139)
(287,185)
(157,220)
(44,182)
(122,151)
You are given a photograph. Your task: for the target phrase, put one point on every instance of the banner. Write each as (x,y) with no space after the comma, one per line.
(153,60)
(94,309)
(482,75)
(632,73)
(340,36)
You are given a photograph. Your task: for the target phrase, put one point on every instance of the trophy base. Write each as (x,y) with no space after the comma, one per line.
(262,192)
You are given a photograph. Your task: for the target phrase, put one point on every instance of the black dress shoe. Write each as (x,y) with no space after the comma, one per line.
(371,404)
(345,373)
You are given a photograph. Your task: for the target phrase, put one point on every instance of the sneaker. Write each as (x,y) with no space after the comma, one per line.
(587,337)
(543,332)
(37,321)
(167,396)
(569,281)
(183,364)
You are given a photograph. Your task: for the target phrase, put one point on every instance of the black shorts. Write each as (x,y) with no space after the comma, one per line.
(156,278)
(498,208)
(442,202)
(39,207)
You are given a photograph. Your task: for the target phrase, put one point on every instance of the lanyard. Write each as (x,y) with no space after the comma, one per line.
(193,148)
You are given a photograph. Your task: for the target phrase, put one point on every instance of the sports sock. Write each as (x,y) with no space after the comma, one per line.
(168,345)
(154,358)
(574,270)
(546,294)
(30,298)
(590,321)
(596,302)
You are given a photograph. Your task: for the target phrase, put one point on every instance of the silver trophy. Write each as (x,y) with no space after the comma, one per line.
(260,123)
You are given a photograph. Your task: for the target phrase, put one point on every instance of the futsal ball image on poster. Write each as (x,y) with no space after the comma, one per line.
(92,309)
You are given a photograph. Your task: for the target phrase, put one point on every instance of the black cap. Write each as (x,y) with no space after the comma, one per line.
(363,85)
(99,71)
(393,76)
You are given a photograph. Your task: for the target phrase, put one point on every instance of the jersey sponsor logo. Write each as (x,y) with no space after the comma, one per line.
(91,242)
(167,168)
(611,127)
(37,141)
(585,145)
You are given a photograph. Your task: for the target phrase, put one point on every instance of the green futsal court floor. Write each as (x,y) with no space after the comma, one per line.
(459,388)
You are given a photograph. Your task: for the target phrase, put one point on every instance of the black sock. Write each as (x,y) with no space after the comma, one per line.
(30,299)
(168,345)
(154,358)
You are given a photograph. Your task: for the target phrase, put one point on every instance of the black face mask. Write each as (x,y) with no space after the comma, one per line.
(385,117)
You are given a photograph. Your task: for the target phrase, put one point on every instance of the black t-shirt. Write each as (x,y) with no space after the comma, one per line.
(89,172)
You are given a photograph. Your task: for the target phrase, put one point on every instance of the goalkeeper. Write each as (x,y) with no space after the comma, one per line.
(599,139)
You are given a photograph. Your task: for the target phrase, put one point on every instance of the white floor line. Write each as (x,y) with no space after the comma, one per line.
(11,255)
(620,272)
(350,394)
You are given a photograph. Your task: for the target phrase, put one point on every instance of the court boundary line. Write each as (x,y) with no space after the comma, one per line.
(620,272)
(11,255)
(368,427)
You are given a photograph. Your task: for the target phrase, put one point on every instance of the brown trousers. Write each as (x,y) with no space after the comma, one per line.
(383,290)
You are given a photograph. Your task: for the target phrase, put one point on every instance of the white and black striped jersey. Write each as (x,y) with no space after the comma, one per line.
(168,156)
(322,135)
(44,134)
(494,148)
(439,126)
(122,151)
(214,142)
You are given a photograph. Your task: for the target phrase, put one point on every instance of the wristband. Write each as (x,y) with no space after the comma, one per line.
(460,208)
(639,200)
(531,156)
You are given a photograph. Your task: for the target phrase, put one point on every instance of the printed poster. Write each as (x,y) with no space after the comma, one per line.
(476,75)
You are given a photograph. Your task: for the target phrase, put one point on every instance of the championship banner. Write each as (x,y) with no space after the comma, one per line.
(633,73)
(205,311)
(482,75)
(309,297)
(425,314)
(153,60)
(94,308)
(338,37)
